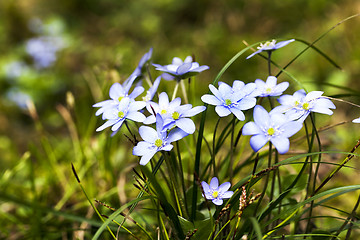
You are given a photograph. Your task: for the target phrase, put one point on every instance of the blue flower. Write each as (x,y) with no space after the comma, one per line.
(156,140)
(216,193)
(180,69)
(273,127)
(269,88)
(299,105)
(117,114)
(231,100)
(117,93)
(152,90)
(140,68)
(270,46)
(173,113)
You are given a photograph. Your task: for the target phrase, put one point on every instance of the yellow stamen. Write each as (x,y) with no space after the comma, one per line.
(215,194)
(158,142)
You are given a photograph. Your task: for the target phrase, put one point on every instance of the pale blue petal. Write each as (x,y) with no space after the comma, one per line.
(356,120)
(147,157)
(271,81)
(136,116)
(136,92)
(106,124)
(211,99)
(217,201)
(227,194)
(194,111)
(150,119)
(247,103)
(261,117)
(183,68)
(258,141)
(251,55)
(117,125)
(167,147)
(290,128)
(214,183)
(224,187)
(251,128)
(238,114)
(222,111)
(186,124)
(283,43)
(282,144)
(142,148)
(116,91)
(216,92)
(176,135)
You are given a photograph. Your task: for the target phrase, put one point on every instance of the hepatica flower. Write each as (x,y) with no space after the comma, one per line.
(179,69)
(140,68)
(117,114)
(117,93)
(173,114)
(274,127)
(231,99)
(216,193)
(299,105)
(270,46)
(156,140)
(270,88)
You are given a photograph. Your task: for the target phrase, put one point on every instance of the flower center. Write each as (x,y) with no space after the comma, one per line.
(215,194)
(163,111)
(121,114)
(297,103)
(158,142)
(227,102)
(120,98)
(306,106)
(268,90)
(175,115)
(268,44)
(271,131)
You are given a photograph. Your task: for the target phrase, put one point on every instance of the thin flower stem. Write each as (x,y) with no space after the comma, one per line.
(266,182)
(214,152)
(269,62)
(183,89)
(232,149)
(175,90)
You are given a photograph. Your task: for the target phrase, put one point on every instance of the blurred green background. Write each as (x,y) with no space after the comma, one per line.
(90,44)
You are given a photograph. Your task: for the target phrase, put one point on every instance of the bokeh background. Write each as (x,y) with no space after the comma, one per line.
(57,58)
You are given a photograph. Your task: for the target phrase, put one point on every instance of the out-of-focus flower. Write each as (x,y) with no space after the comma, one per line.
(231,100)
(117,93)
(299,105)
(43,50)
(173,113)
(156,140)
(117,114)
(15,69)
(269,88)
(152,90)
(270,46)
(180,69)
(216,193)
(273,127)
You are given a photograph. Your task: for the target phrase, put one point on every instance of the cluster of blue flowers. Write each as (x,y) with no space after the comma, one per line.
(173,121)
(171,118)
